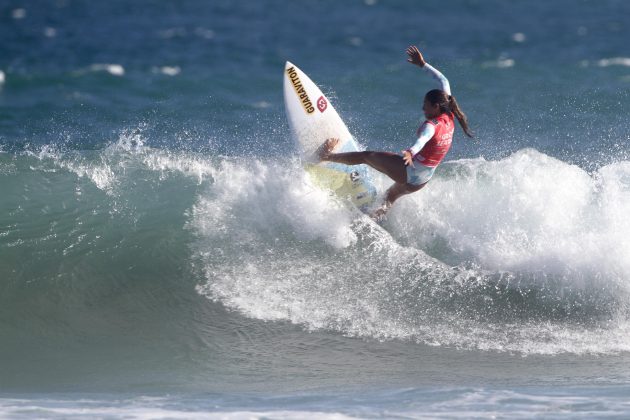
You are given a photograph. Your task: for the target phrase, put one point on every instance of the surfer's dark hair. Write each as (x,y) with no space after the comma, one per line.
(447,103)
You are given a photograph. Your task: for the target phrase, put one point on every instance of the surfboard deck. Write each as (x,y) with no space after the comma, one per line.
(313,119)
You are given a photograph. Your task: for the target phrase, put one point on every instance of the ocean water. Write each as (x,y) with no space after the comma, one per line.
(164,255)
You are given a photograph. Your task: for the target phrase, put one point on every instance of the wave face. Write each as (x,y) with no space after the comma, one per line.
(526,254)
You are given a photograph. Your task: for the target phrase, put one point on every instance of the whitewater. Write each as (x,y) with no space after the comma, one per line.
(526,254)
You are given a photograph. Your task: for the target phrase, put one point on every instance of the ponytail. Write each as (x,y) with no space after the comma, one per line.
(461,117)
(447,104)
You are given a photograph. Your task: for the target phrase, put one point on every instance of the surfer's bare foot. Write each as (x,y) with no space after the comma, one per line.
(326,149)
(379,214)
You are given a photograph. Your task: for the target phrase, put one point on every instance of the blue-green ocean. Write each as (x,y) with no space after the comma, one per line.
(164,255)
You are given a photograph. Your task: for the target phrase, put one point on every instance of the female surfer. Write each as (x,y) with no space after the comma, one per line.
(413,170)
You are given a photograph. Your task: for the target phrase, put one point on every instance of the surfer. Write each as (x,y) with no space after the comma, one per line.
(413,170)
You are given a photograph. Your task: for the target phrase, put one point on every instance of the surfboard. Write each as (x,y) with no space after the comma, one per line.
(313,119)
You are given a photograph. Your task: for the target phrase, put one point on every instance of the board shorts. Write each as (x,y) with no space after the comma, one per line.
(418,174)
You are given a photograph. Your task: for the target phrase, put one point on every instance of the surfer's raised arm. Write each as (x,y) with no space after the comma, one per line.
(415,57)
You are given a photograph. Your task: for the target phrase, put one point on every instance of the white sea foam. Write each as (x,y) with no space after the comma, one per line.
(204,33)
(526,212)
(143,409)
(501,63)
(355,41)
(172,33)
(262,104)
(50,32)
(260,196)
(434,402)
(18,13)
(529,223)
(519,37)
(615,61)
(167,70)
(113,69)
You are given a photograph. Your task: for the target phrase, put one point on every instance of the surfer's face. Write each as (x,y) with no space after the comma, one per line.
(430,110)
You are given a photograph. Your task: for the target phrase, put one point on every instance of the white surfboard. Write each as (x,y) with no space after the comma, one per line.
(313,120)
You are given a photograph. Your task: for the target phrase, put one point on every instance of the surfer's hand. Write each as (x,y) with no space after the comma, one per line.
(408,158)
(415,56)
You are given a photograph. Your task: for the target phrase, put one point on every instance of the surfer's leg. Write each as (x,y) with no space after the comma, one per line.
(388,163)
(394,193)
(398,190)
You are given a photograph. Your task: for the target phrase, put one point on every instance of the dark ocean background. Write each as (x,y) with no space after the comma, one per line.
(164,255)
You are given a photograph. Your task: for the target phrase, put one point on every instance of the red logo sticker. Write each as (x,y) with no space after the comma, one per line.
(322,104)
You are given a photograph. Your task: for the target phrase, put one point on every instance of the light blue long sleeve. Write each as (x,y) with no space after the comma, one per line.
(444,84)
(426,133)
